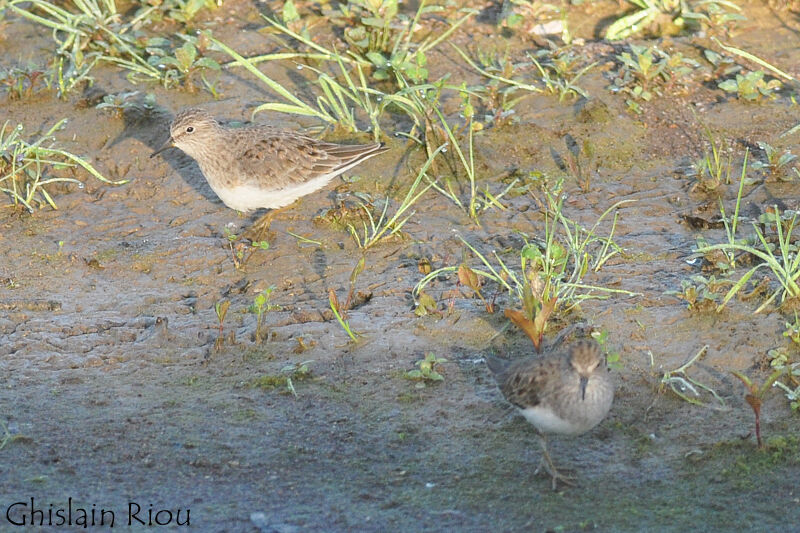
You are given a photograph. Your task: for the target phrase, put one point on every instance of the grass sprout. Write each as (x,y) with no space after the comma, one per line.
(750,86)
(221,310)
(298,371)
(755,59)
(495,77)
(8,436)
(260,307)
(339,310)
(381,227)
(714,168)
(731,224)
(426,371)
(341,315)
(556,69)
(755,396)
(684,14)
(25,166)
(476,203)
(781,258)
(644,71)
(680,383)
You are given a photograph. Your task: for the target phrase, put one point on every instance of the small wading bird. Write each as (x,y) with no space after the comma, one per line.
(261,166)
(565,393)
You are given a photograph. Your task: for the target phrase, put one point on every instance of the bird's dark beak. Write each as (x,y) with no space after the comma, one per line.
(584,382)
(169,144)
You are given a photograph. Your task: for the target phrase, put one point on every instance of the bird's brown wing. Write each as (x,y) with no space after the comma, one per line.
(287,158)
(526,382)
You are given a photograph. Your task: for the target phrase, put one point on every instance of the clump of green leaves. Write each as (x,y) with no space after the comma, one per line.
(786,360)
(645,71)
(792,331)
(21,82)
(371,31)
(426,305)
(380,34)
(751,86)
(560,69)
(524,16)
(90,31)
(700,293)
(612,356)
(182,65)
(185,10)
(86,32)
(776,163)
(427,370)
(119,103)
(288,376)
(261,306)
(551,275)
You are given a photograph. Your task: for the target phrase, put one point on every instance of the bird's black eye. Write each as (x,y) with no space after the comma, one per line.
(190,129)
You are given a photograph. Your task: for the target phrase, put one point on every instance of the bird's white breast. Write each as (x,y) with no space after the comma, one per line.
(249,197)
(547,421)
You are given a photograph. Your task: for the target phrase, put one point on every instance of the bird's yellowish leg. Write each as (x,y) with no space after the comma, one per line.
(551,469)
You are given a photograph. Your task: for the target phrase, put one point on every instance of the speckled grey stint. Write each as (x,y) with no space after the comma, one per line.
(566,393)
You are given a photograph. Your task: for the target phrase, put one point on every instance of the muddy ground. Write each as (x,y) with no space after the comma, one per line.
(112,391)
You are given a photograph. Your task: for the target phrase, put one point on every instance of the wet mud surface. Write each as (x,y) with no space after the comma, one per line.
(112,390)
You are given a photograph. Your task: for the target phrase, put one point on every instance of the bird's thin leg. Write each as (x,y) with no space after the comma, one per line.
(547,462)
(260,228)
(257,233)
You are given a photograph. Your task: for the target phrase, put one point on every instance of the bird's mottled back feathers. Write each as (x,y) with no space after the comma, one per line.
(288,158)
(527,381)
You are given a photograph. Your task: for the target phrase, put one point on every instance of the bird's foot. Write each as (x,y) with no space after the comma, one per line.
(259,232)
(556,475)
(259,236)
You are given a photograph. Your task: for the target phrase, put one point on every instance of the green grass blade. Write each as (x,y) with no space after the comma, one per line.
(754,59)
